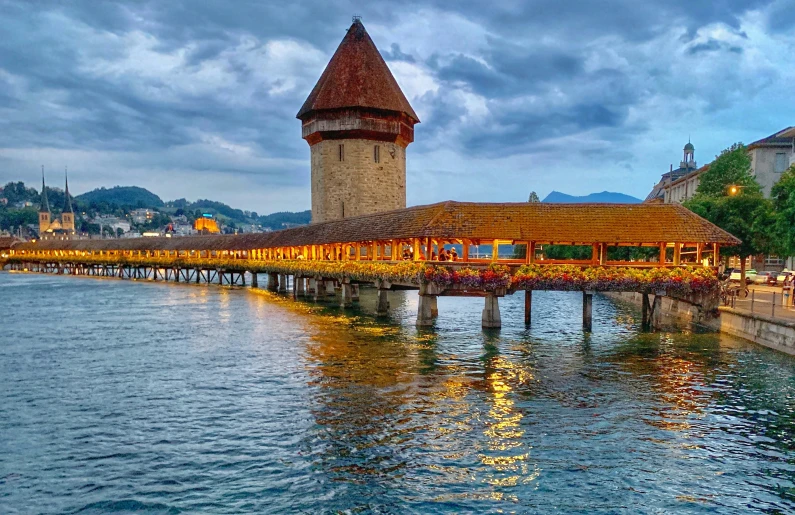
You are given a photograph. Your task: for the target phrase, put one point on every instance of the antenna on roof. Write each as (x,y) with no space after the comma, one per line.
(356,18)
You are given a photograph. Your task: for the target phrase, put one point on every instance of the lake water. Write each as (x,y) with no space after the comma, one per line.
(121,396)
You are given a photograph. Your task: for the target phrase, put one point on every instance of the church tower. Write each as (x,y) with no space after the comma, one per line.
(44,208)
(68,214)
(688,160)
(358,124)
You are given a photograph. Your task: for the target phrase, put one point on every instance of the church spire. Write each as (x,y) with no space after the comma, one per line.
(67,204)
(45,204)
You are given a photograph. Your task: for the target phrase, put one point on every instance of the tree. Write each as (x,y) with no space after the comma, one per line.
(731,168)
(746,216)
(119,232)
(783,198)
(533,197)
(729,196)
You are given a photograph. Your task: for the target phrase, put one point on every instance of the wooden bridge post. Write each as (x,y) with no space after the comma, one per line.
(656,311)
(300,286)
(311,287)
(587,310)
(282,283)
(528,306)
(491,312)
(254,280)
(645,323)
(355,292)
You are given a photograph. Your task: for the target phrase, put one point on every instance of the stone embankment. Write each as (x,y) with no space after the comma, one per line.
(774,333)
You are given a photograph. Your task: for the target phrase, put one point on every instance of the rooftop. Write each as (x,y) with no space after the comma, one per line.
(357,76)
(632,224)
(782,138)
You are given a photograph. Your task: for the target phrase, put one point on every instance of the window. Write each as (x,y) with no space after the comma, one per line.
(342,152)
(377,154)
(781,162)
(773,260)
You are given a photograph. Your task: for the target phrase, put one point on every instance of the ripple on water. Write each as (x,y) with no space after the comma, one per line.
(145,397)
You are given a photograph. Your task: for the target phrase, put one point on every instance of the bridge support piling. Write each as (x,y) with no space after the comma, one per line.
(528,306)
(427,310)
(311,287)
(587,310)
(346,300)
(645,323)
(273,284)
(320,290)
(254,280)
(300,286)
(491,312)
(355,292)
(382,307)
(656,311)
(282,283)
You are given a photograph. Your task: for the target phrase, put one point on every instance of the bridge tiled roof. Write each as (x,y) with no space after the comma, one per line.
(6,242)
(544,223)
(357,76)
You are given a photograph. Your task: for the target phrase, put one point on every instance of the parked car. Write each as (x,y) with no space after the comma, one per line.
(750,275)
(726,273)
(765,278)
(784,278)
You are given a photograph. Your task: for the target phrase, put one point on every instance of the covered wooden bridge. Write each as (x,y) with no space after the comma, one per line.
(513,235)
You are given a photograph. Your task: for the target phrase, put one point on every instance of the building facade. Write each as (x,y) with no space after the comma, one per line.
(662,190)
(54,228)
(358,123)
(770,158)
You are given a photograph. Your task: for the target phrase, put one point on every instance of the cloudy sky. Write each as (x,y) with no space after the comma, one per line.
(197,99)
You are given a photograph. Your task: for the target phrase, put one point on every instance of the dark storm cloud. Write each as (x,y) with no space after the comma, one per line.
(213,85)
(395,54)
(713,45)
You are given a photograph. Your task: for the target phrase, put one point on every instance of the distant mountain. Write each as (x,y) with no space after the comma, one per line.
(122,196)
(609,197)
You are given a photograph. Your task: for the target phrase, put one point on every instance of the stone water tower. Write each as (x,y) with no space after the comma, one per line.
(358,124)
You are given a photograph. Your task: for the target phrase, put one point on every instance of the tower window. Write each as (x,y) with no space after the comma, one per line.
(377,154)
(342,152)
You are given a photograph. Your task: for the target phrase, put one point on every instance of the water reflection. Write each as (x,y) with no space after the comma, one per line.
(229,400)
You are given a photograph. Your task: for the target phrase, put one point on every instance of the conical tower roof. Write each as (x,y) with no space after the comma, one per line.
(357,76)
(67,203)
(45,204)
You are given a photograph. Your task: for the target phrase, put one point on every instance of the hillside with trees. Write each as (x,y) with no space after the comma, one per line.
(122,196)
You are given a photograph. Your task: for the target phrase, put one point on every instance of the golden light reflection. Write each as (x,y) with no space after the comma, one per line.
(504,432)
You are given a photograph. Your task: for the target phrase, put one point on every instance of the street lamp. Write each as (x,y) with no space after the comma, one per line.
(734,189)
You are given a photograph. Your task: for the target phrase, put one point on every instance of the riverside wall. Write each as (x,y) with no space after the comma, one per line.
(760,329)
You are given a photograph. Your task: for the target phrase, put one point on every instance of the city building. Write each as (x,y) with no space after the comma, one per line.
(206,224)
(661,191)
(54,228)
(141,216)
(358,124)
(770,157)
